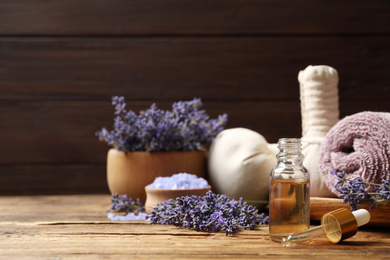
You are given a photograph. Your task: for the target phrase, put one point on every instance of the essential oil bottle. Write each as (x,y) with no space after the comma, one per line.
(289,192)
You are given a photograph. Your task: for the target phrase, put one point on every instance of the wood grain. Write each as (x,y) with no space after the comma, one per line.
(166,68)
(320,206)
(54,178)
(76,227)
(61,61)
(178,17)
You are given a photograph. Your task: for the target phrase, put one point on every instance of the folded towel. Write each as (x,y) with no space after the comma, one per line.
(359,145)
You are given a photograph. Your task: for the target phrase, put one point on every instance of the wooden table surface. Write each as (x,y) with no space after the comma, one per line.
(76,226)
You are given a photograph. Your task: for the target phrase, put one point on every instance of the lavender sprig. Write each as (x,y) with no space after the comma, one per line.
(185,128)
(120,203)
(212,213)
(356,192)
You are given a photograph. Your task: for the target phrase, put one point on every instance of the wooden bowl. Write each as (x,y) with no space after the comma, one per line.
(156,196)
(129,172)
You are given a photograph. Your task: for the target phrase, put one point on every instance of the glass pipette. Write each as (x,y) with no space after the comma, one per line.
(336,226)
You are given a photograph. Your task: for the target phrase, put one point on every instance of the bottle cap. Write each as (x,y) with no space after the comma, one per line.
(362,216)
(341,224)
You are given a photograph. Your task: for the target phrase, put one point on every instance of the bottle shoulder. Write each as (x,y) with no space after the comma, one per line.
(291,172)
(289,168)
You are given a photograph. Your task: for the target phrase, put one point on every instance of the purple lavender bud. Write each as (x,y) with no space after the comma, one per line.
(120,203)
(355,192)
(184,128)
(212,212)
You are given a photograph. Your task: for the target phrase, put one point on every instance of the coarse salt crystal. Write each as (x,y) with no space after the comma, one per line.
(128,217)
(179,181)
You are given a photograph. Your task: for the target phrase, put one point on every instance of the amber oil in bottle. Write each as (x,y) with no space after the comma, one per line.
(289,194)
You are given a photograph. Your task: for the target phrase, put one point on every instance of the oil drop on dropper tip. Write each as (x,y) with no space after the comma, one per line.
(336,226)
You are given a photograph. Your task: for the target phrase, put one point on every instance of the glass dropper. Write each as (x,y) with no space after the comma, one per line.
(336,226)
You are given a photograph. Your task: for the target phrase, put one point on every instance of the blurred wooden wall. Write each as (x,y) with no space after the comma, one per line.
(61,61)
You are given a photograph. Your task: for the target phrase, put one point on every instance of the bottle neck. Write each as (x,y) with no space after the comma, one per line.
(290,151)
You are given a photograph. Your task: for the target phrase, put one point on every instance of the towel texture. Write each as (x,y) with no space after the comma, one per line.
(359,145)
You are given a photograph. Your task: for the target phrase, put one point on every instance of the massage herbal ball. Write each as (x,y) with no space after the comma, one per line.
(239,163)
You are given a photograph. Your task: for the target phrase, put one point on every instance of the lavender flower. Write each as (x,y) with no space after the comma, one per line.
(384,191)
(185,128)
(212,213)
(120,203)
(356,192)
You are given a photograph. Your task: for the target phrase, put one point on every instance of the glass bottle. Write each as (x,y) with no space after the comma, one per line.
(289,192)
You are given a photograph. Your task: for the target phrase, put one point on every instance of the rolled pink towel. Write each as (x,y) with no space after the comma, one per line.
(359,145)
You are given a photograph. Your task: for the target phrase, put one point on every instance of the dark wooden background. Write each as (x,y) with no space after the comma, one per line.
(61,61)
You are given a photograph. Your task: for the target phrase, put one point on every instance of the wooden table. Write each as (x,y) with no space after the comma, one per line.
(76,226)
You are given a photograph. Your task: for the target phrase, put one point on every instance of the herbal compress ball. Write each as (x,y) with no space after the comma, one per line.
(239,164)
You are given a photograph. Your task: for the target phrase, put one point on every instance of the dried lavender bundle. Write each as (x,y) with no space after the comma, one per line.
(355,192)
(186,127)
(212,213)
(120,203)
